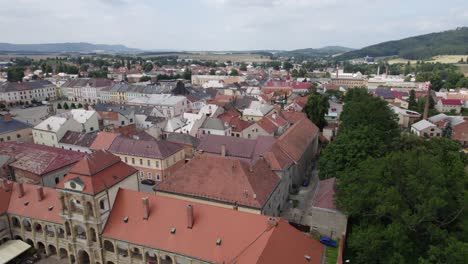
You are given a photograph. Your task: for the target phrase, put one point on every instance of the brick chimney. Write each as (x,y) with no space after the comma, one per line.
(20,190)
(146,209)
(271,223)
(7,117)
(40,193)
(426,106)
(223,150)
(189,216)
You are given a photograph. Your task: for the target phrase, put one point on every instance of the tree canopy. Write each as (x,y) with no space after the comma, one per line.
(15,74)
(406,197)
(316,109)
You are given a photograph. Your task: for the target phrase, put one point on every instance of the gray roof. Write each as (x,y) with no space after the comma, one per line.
(23,86)
(13,125)
(183,139)
(213,123)
(142,89)
(122,109)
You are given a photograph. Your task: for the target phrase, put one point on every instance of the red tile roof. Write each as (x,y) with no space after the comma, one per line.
(94,163)
(297,138)
(103,141)
(224,179)
(460,131)
(30,206)
(324,194)
(245,237)
(247,149)
(144,148)
(38,159)
(99,171)
(293,117)
(451,102)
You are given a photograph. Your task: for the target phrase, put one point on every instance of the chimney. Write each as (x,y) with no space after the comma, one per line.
(426,106)
(223,150)
(189,216)
(20,190)
(146,210)
(271,223)
(49,127)
(40,193)
(7,117)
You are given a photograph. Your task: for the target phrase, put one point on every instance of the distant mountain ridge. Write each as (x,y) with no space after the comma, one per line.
(81,47)
(451,42)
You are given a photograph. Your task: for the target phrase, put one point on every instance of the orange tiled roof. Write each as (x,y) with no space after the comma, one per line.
(30,206)
(224,179)
(98,172)
(103,141)
(245,237)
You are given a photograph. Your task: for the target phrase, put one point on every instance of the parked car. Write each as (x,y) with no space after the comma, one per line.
(148,182)
(327,241)
(306,182)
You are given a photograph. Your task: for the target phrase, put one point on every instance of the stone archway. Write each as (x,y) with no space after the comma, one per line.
(83,257)
(63,254)
(30,242)
(41,247)
(18,238)
(52,250)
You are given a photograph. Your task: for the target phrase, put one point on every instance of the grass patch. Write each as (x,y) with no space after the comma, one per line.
(463,68)
(331,254)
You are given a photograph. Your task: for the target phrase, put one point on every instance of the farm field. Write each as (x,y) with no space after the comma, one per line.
(241,57)
(439,58)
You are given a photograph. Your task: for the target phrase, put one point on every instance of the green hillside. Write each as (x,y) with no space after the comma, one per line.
(452,42)
(311,53)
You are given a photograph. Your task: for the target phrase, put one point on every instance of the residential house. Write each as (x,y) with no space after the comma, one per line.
(426,129)
(50,131)
(168,105)
(37,164)
(449,105)
(114,116)
(77,141)
(12,93)
(14,130)
(214,126)
(200,80)
(155,160)
(85,90)
(256,111)
(405,117)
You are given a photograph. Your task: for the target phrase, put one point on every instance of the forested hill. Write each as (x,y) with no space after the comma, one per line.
(82,47)
(452,42)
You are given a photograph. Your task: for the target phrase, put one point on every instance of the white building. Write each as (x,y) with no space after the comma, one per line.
(50,131)
(26,92)
(168,105)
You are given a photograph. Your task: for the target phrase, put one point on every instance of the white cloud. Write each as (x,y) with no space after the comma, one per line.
(225,24)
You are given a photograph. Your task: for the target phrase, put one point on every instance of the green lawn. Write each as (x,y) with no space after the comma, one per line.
(331,254)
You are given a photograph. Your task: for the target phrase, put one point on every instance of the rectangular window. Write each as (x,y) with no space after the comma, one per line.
(126,160)
(149,162)
(150,176)
(157,164)
(133,160)
(142,175)
(141,161)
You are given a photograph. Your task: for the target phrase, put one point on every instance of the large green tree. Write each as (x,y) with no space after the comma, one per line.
(15,74)
(316,108)
(409,205)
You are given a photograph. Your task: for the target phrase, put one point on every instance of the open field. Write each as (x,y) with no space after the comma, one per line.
(440,58)
(221,57)
(463,68)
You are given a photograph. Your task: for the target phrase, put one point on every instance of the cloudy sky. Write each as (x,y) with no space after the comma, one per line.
(226,24)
